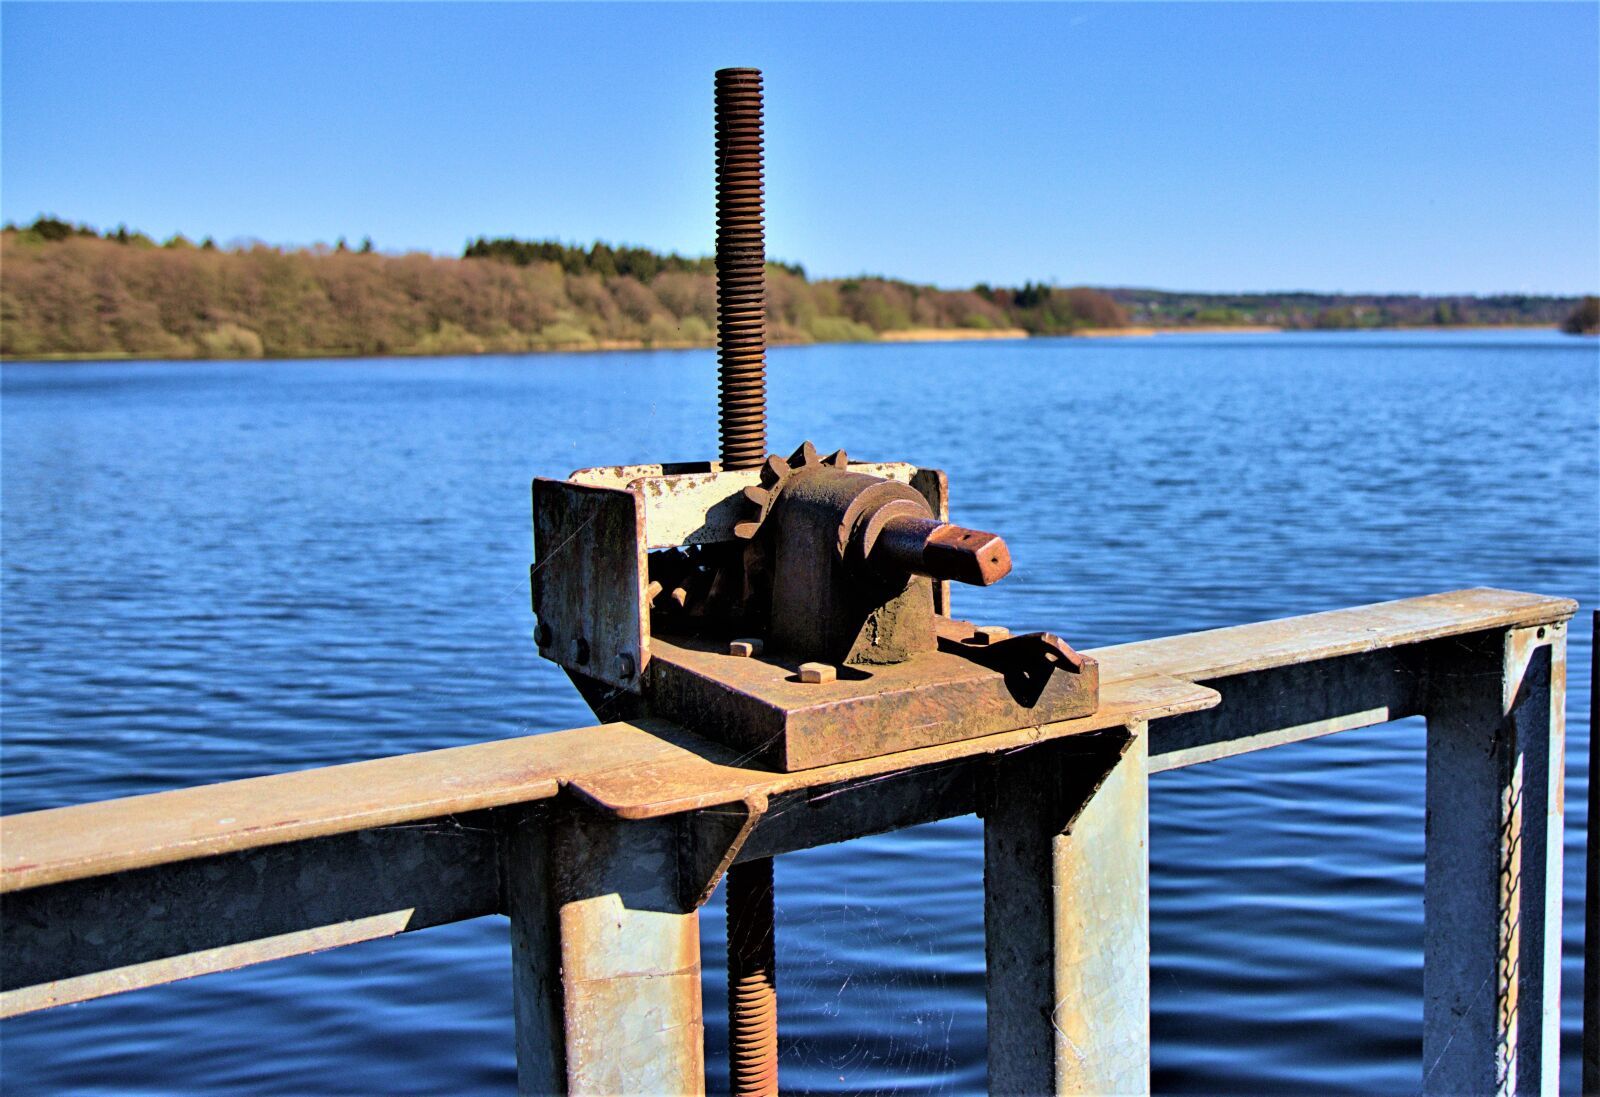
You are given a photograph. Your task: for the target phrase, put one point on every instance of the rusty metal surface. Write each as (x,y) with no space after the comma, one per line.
(637,769)
(709,841)
(764,711)
(935,488)
(1029,663)
(535,951)
(589,581)
(741,271)
(689,772)
(827,604)
(961,555)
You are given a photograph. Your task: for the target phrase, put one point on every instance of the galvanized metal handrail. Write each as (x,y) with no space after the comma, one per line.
(600,844)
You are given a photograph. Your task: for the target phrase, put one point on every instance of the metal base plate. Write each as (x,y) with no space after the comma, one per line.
(760,707)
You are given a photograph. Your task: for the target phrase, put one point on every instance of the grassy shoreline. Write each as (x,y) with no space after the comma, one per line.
(925,335)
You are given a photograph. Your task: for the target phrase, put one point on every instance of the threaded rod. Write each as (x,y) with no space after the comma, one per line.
(741,272)
(752,982)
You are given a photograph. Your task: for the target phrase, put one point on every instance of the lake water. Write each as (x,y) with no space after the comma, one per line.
(214,571)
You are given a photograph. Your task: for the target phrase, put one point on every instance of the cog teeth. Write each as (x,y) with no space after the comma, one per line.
(774,470)
(679,597)
(773,473)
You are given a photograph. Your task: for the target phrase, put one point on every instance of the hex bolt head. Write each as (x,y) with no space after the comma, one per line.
(748,647)
(984,635)
(813,673)
(625,666)
(580,651)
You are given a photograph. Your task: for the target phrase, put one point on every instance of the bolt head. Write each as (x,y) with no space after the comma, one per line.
(625,666)
(813,673)
(747,648)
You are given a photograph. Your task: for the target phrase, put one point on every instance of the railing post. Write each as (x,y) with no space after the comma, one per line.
(607,961)
(1066,915)
(535,956)
(1591,887)
(1492,893)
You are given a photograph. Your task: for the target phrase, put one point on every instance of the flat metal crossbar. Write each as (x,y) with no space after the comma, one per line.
(600,843)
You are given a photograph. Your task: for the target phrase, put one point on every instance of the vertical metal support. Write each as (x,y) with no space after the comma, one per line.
(535,957)
(1066,917)
(608,966)
(1591,921)
(1492,893)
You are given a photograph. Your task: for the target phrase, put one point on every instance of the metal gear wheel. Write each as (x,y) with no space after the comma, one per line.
(773,473)
(730,582)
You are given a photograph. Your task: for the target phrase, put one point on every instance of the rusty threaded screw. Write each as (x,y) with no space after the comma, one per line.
(742,428)
(741,272)
(752,991)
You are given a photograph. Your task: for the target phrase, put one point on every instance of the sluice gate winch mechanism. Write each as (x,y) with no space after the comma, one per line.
(796,609)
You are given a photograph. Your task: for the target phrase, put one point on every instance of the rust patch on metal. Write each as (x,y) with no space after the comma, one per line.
(590,581)
(760,707)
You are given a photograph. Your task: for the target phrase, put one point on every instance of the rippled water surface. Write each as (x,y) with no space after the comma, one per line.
(215,571)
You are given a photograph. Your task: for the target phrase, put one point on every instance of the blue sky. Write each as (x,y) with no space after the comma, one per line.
(1346,147)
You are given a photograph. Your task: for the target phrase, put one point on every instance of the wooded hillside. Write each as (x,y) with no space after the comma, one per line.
(69,290)
(66,289)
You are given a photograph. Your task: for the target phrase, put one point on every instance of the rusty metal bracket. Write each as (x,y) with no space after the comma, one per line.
(711,839)
(1027,663)
(1062,775)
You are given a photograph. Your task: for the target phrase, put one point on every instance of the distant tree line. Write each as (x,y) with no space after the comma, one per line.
(1319,311)
(1585,319)
(69,289)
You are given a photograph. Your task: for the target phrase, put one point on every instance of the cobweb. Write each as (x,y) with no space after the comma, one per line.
(880,966)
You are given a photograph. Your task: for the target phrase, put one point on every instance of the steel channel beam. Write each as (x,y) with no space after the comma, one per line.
(1066,919)
(1591,924)
(1286,704)
(628,950)
(605,945)
(535,953)
(102,935)
(854,809)
(1492,882)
